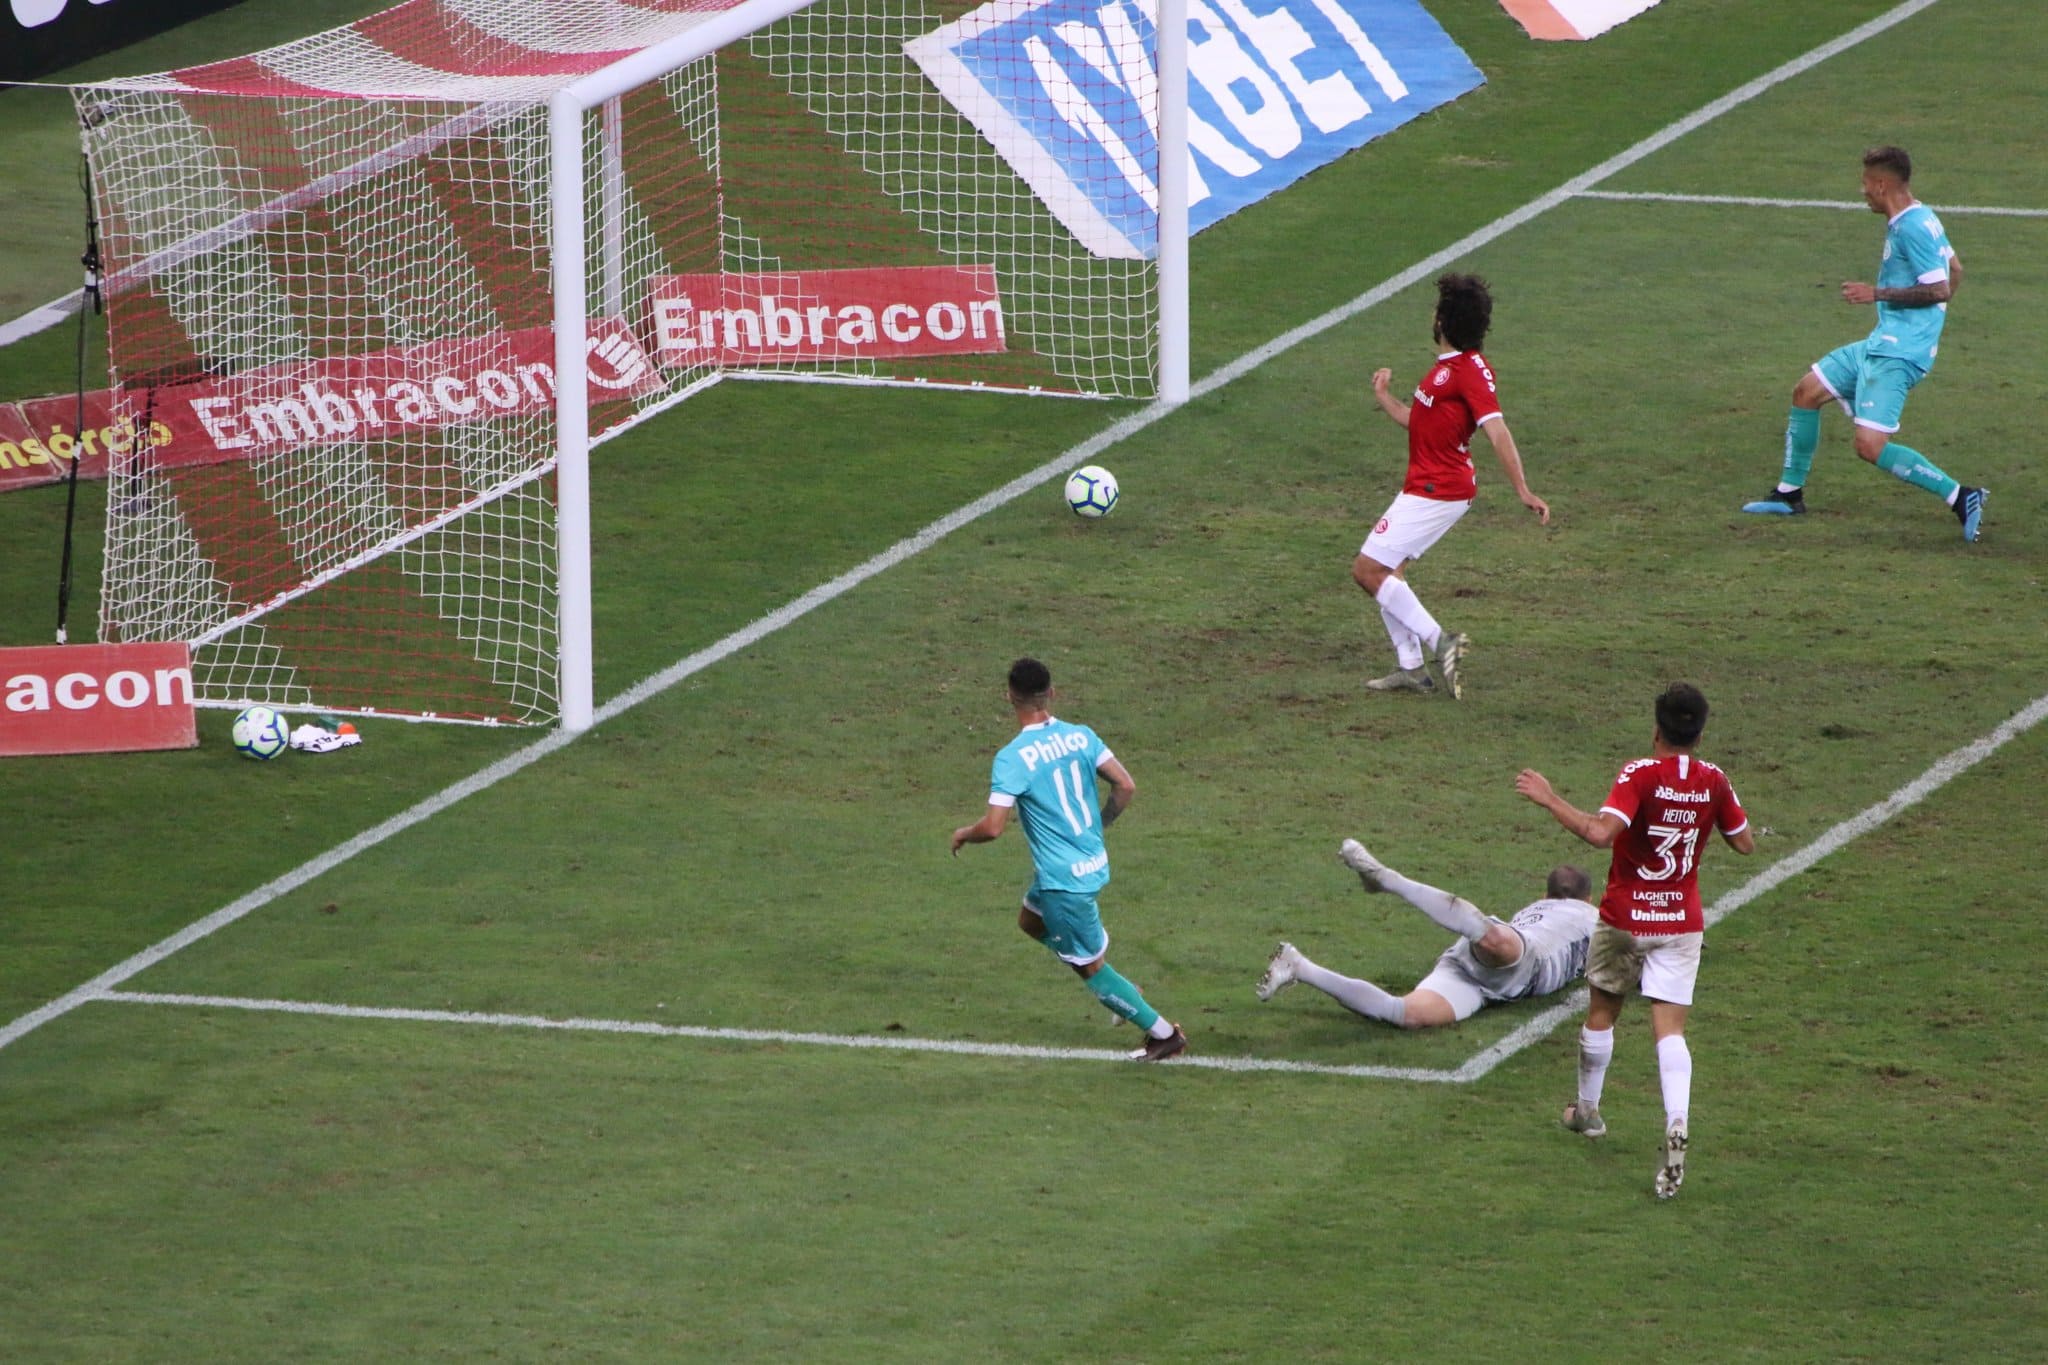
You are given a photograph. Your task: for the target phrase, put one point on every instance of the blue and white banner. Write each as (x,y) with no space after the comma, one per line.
(1066,92)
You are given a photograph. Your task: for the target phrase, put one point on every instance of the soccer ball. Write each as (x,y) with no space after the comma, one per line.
(1091,491)
(262,733)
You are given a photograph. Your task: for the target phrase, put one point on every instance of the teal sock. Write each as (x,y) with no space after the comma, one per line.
(1802,438)
(1916,469)
(1121,998)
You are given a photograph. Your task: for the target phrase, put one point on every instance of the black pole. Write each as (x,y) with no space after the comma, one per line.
(89,294)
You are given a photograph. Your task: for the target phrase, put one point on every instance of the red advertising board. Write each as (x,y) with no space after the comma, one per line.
(26,459)
(788,317)
(381,395)
(96,699)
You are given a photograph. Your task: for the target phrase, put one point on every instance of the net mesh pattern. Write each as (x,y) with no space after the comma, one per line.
(330,276)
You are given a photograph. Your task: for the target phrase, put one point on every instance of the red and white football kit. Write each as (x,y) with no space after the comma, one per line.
(1448,406)
(1450,402)
(1672,806)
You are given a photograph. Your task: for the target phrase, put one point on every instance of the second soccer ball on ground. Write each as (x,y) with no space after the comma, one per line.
(1092,491)
(261,733)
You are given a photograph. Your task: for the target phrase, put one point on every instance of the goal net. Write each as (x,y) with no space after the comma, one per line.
(378,291)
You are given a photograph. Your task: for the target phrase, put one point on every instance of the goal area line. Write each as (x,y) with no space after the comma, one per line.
(1519,1039)
(1125,427)
(1757,202)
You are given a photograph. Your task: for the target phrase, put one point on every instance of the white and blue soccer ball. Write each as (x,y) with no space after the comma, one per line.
(262,733)
(1092,491)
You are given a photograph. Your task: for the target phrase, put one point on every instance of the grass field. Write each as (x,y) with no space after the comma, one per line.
(761,847)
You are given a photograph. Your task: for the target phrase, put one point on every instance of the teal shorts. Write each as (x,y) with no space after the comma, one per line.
(1073,926)
(1872,389)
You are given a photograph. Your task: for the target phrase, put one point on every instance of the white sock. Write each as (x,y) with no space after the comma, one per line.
(1160,1028)
(1674,1068)
(1407,649)
(1399,601)
(1360,997)
(1596,1050)
(1459,916)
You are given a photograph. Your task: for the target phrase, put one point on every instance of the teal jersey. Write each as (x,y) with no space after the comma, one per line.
(1916,251)
(1048,773)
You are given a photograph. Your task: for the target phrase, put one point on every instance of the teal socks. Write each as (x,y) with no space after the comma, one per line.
(1121,998)
(1909,464)
(1802,438)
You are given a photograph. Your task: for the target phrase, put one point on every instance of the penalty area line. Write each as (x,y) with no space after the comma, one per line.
(862,1041)
(1525,1035)
(1083,453)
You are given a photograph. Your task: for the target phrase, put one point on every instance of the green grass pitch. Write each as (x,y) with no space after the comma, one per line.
(762,847)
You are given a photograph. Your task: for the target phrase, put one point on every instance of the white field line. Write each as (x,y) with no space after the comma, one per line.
(1524,1035)
(1110,436)
(1849,205)
(40,319)
(1571,189)
(874,1042)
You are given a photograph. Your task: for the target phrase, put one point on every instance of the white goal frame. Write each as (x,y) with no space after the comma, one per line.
(186,204)
(568,233)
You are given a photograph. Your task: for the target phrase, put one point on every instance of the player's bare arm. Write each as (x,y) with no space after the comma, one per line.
(1382,379)
(1911,296)
(1743,841)
(1121,789)
(1598,829)
(986,830)
(1510,457)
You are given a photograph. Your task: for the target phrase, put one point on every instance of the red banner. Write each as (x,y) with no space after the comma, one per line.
(378,396)
(37,440)
(96,699)
(789,317)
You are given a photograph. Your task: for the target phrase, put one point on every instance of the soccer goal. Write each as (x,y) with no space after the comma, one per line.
(375,295)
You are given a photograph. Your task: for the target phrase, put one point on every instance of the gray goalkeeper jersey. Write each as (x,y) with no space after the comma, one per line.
(1555,937)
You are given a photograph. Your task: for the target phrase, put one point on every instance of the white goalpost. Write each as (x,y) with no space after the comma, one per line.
(377,294)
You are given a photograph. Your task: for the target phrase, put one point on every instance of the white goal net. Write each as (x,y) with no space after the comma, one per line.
(337,272)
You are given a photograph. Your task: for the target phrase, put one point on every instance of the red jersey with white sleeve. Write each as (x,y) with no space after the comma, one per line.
(1672,806)
(1451,401)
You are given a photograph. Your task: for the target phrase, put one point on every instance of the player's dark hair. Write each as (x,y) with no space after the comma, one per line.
(1892,160)
(1029,678)
(1464,310)
(1681,715)
(1568,883)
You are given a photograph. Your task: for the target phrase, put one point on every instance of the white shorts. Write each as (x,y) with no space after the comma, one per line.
(1411,525)
(1665,966)
(1453,981)
(1466,983)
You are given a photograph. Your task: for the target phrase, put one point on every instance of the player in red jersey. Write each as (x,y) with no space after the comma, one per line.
(1456,398)
(1658,819)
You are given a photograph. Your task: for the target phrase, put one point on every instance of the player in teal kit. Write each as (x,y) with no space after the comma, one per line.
(1048,775)
(1870,378)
